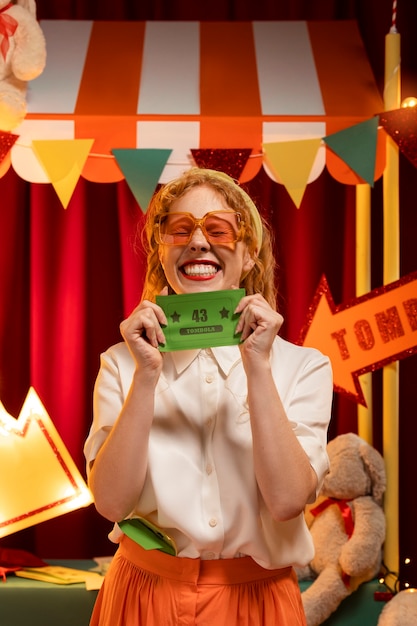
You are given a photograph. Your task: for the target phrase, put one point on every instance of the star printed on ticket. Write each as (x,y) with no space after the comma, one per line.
(200,320)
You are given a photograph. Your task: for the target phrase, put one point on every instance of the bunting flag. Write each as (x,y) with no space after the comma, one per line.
(6,142)
(142,170)
(291,163)
(63,162)
(401,125)
(357,147)
(161,81)
(230,161)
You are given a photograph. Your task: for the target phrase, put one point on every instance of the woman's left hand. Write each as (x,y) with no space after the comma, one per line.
(258,325)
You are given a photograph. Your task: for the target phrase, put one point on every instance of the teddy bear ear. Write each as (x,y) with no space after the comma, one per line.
(29,5)
(375,467)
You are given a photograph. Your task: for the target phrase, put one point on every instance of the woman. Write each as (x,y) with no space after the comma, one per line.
(220,448)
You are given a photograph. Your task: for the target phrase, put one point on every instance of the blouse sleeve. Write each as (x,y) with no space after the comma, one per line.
(307,394)
(110,390)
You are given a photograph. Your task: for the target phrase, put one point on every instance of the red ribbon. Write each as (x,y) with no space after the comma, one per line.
(6,570)
(347,520)
(8,27)
(344,509)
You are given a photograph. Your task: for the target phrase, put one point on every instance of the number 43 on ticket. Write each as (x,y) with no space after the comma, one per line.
(200,320)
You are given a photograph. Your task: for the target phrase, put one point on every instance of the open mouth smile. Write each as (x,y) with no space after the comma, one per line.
(200,270)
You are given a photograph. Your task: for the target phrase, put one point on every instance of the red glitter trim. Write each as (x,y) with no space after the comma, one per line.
(7,140)
(401,125)
(231,161)
(47,507)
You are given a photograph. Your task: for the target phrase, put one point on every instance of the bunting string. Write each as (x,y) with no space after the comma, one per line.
(293,163)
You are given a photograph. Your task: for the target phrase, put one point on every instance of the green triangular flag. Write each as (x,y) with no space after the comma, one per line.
(356,146)
(142,168)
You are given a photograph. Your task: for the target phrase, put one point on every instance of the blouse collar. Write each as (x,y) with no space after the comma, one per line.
(226,357)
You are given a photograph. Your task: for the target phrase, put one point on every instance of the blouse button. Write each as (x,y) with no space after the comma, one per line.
(213,522)
(209,378)
(209,469)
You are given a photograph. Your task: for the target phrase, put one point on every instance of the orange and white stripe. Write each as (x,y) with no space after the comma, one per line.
(183,85)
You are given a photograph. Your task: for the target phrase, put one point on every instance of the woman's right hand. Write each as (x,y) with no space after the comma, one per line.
(143,334)
(119,470)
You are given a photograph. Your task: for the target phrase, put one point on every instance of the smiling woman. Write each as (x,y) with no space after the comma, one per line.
(201,437)
(208,252)
(201,243)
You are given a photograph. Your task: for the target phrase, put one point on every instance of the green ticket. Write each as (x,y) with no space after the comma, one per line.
(148,535)
(200,320)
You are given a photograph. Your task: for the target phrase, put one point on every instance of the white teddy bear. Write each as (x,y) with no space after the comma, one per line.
(347,523)
(401,610)
(22,58)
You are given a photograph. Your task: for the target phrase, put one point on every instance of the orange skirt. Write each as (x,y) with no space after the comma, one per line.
(150,588)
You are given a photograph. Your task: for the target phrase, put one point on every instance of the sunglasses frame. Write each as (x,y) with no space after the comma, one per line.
(200,223)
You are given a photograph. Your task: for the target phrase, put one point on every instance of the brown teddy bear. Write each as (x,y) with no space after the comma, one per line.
(347,524)
(22,58)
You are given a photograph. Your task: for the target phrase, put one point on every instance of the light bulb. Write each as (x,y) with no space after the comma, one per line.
(409,102)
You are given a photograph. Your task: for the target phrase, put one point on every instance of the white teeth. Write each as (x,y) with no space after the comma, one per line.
(200,270)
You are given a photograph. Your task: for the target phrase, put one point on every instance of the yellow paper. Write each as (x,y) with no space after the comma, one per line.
(291,162)
(59,575)
(63,161)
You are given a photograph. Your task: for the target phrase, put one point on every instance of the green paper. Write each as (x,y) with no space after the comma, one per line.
(200,320)
(356,146)
(142,168)
(148,535)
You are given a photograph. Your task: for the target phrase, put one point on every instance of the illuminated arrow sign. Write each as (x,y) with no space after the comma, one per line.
(39,479)
(364,334)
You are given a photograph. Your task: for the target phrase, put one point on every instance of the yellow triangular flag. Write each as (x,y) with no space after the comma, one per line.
(63,161)
(292,162)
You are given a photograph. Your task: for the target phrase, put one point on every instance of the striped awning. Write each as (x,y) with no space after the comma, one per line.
(185,85)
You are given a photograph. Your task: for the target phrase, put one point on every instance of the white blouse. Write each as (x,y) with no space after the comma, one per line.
(201,486)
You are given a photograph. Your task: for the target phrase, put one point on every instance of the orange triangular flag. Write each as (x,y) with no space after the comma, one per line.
(291,162)
(63,161)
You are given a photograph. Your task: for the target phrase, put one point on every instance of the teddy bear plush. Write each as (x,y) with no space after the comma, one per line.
(22,58)
(347,524)
(401,610)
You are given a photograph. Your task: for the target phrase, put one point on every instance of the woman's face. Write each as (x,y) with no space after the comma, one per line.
(200,265)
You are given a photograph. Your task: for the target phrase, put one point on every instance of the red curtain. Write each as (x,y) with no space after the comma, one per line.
(68,277)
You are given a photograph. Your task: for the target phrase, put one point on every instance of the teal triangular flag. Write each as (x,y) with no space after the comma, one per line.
(142,168)
(356,146)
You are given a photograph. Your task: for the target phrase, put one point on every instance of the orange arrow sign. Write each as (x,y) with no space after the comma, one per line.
(41,481)
(364,334)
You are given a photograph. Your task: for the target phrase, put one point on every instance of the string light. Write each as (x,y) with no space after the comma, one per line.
(388,574)
(409,103)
